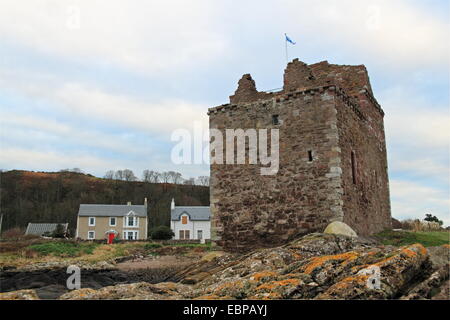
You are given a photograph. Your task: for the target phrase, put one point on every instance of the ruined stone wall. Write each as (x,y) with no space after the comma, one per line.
(251,210)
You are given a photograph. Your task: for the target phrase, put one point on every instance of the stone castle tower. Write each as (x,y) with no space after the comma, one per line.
(332,159)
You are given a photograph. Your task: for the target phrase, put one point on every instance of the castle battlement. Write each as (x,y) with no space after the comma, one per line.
(350,82)
(301,93)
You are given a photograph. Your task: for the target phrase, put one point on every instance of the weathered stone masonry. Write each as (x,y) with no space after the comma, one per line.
(326,112)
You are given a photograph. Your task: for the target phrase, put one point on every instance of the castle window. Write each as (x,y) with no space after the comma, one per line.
(310,155)
(275,120)
(353,167)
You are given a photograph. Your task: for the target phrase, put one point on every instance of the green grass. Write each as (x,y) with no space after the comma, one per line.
(402,238)
(63,248)
(191,245)
(151,245)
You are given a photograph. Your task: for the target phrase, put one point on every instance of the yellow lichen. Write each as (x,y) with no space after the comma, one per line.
(208,297)
(409,252)
(319,261)
(274,284)
(229,285)
(350,281)
(261,275)
(297,256)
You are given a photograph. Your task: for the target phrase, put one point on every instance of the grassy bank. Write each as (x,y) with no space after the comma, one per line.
(22,252)
(402,238)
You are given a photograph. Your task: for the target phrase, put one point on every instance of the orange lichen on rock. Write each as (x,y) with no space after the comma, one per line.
(297,256)
(266,296)
(261,275)
(274,284)
(319,261)
(409,252)
(412,251)
(212,297)
(350,282)
(418,248)
(229,285)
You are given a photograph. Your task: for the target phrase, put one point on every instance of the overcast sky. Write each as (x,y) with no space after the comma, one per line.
(101,85)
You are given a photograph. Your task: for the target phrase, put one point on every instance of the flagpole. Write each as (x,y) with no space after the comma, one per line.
(287,59)
(285,43)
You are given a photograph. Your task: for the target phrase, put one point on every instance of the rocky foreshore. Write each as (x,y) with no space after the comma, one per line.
(317,266)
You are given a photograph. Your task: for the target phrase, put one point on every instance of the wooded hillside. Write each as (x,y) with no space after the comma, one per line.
(55,196)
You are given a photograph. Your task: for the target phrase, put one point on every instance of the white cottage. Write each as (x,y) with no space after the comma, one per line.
(190,222)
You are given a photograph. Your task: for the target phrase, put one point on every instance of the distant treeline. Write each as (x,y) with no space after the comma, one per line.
(27,196)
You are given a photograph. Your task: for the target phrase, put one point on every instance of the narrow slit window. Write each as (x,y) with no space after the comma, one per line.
(353,167)
(275,119)
(310,155)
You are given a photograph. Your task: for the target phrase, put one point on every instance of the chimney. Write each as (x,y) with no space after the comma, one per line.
(129,203)
(145,201)
(172,205)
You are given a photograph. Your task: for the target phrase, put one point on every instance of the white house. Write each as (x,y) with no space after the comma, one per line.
(190,222)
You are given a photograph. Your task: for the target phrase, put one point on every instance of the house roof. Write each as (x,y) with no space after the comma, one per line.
(195,213)
(111,210)
(41,228)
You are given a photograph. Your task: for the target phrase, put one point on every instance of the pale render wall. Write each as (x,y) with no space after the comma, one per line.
(102,226)
(193,227)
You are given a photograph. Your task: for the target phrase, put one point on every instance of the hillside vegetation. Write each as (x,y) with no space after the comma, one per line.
(55,196)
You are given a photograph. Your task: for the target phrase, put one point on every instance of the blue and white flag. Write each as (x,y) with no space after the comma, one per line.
(288,39)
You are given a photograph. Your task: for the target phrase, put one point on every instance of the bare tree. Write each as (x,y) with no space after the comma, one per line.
(109,174)
(156,177)
(203,180)
(165,177)
(128,175)
(147,175)
(150,176)
(177,178)
(118,175)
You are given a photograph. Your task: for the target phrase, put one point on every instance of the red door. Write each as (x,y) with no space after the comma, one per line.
(110,237)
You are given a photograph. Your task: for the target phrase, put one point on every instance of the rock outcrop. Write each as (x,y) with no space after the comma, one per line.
(317,266)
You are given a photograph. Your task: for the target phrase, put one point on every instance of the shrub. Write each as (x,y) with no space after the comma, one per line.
(162,233)
(149,246)
(430,218)
(417,225)
(59,232)
(14,233)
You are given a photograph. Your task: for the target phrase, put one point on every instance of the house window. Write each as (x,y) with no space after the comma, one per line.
(184,234)
(130,235)
(275,120)
(184,220)
(353,159)
(199,234)
(310,155)
(92,221)
(131,221)
(91,235)
(112,221)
